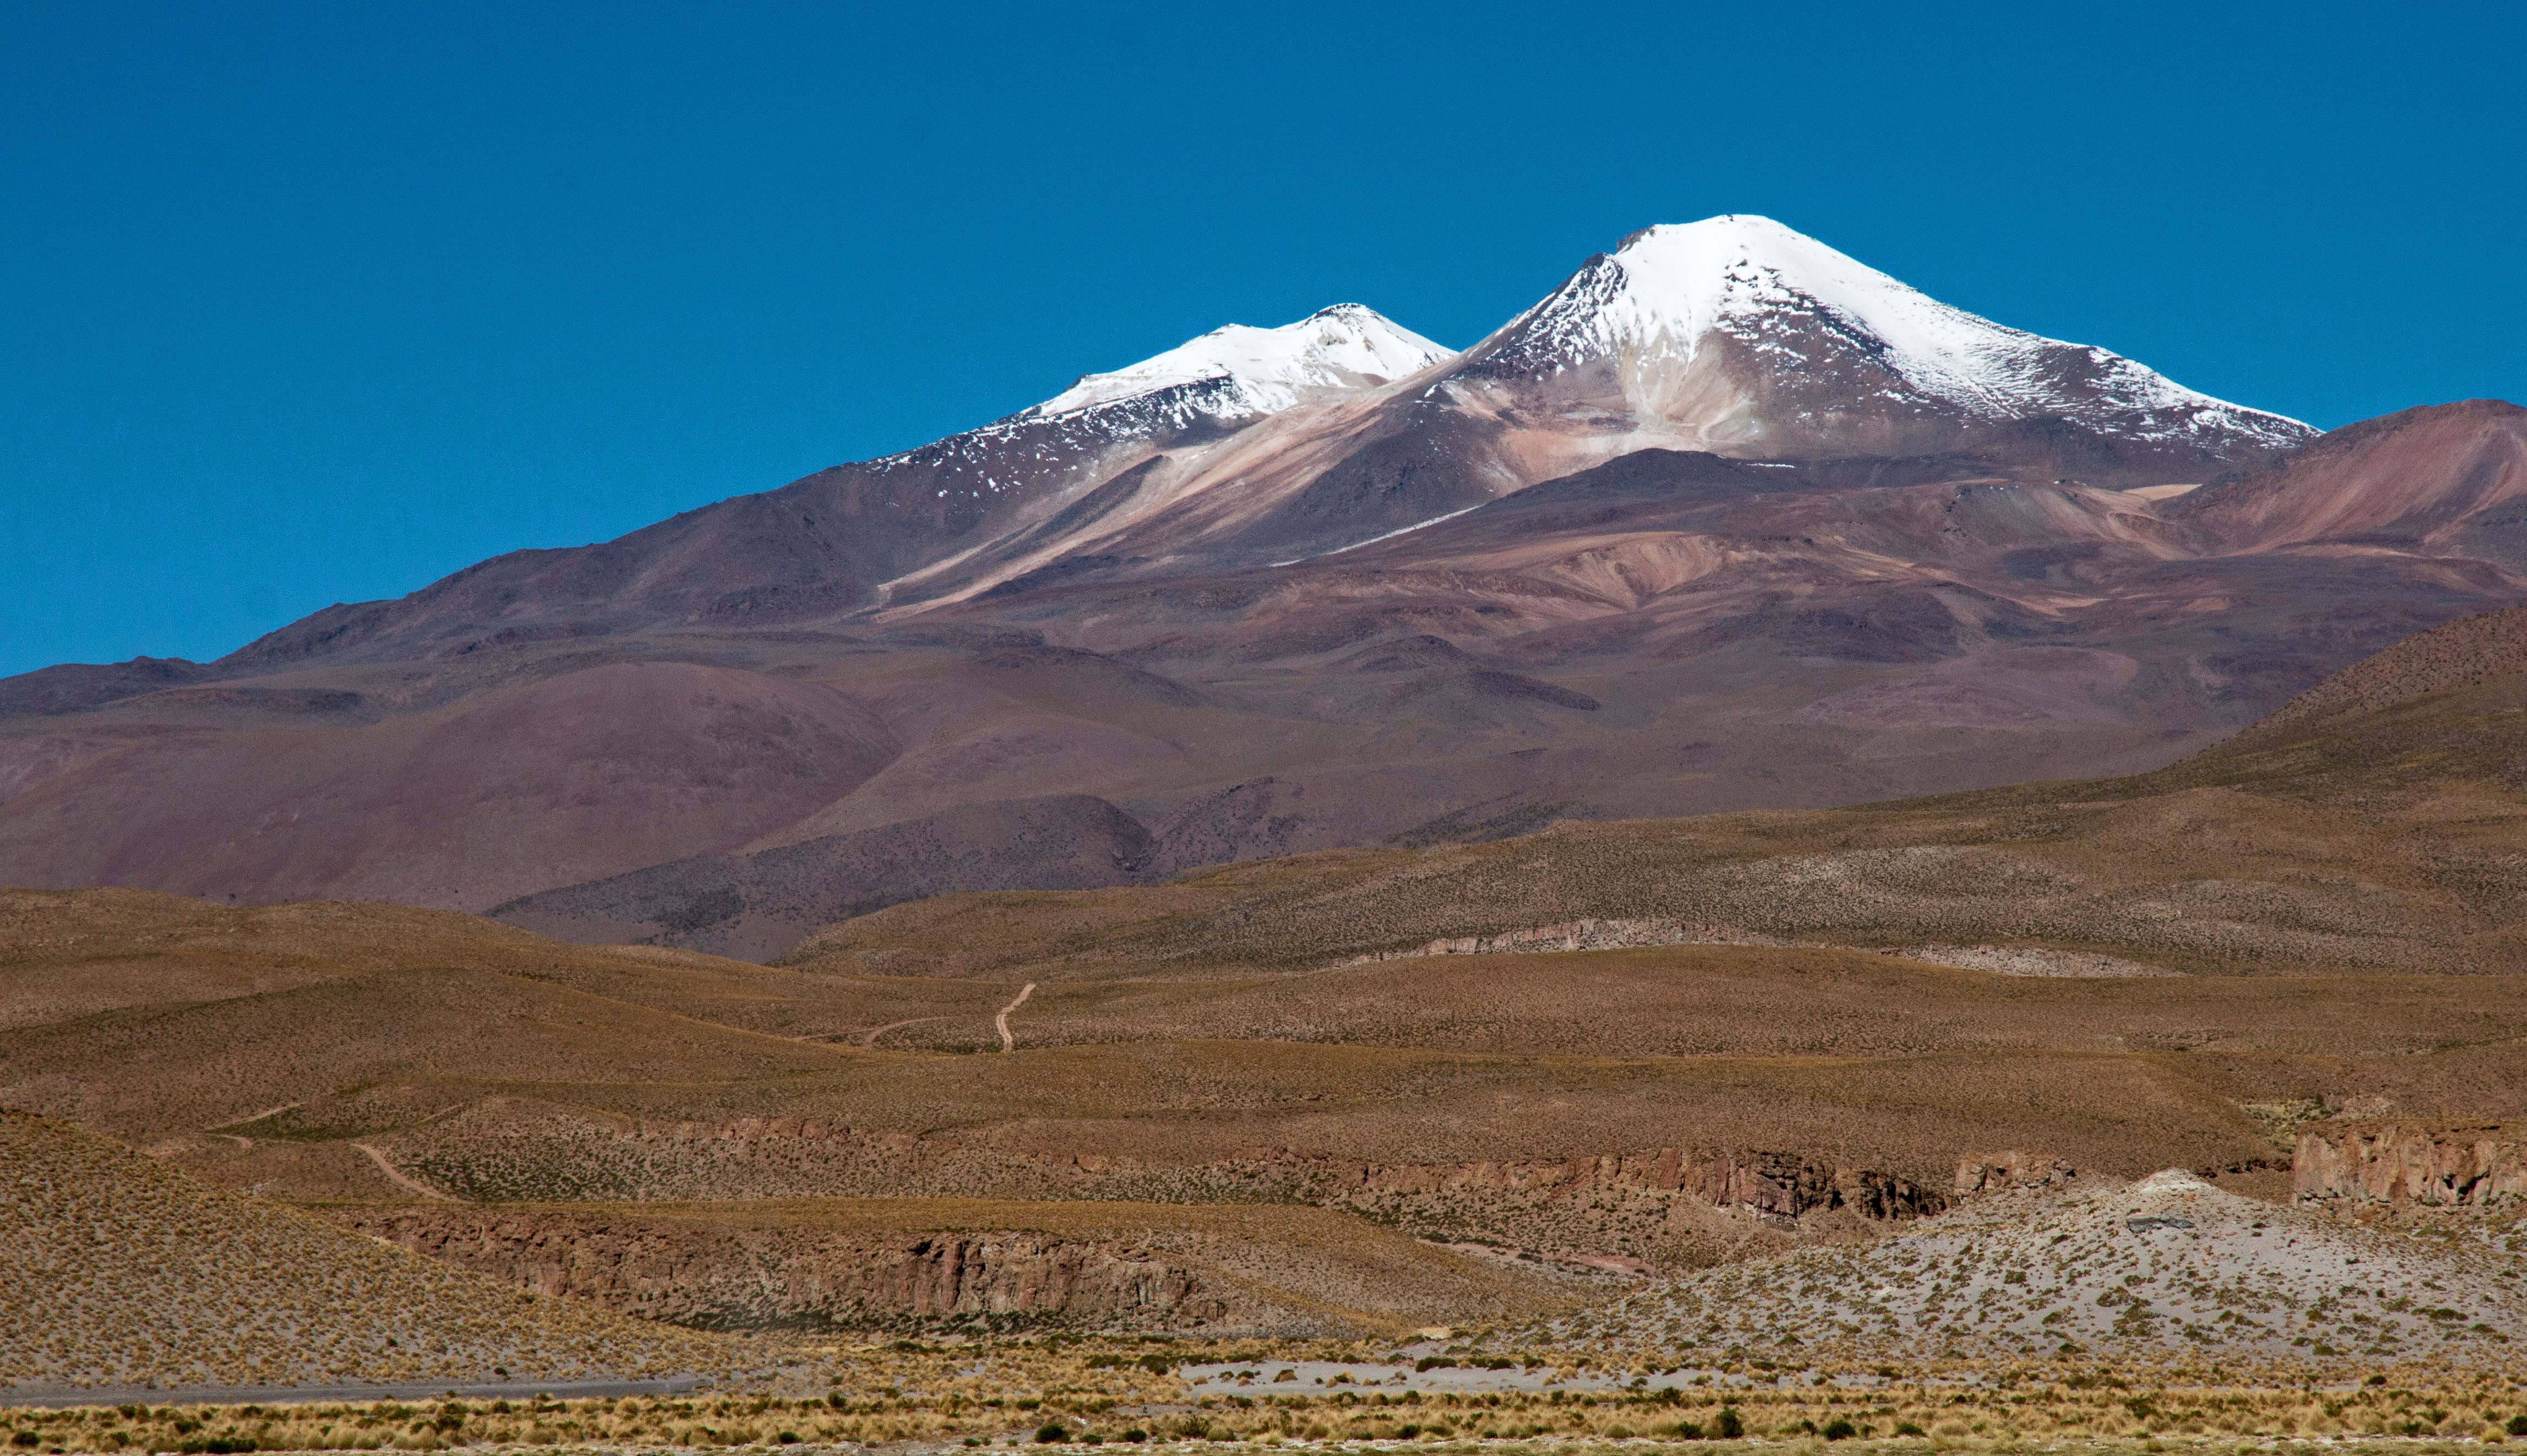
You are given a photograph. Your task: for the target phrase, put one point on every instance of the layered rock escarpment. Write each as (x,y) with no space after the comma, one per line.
(1780,1189)
(2389,1164)
(1997,1173)
(753,1278)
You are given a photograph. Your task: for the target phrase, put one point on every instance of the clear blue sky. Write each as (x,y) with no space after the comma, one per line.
(306,303)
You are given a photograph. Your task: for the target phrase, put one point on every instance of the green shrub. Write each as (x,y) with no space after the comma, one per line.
(1685,1430)
(1907,1428)
(1050,1433)
(1840,1429)
(1729,1425)
(2517,1425)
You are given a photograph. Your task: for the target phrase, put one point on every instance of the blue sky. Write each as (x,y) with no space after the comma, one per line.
(306,303)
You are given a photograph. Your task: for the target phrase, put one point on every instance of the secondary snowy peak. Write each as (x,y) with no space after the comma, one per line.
(1243,372)
(1798,308)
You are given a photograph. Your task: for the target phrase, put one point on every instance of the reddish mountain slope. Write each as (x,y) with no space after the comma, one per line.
(1730,520)
(2449,481)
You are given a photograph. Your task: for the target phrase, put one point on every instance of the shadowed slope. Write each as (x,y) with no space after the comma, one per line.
(2375,833)
(541,782)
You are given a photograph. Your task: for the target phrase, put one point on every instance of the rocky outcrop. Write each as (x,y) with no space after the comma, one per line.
(1773,1185)
(729,1276)
(2405,1165)
(1578,935)
(1995,1173)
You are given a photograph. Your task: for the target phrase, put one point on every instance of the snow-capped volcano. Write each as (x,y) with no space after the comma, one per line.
(1241,371)
(1756,336)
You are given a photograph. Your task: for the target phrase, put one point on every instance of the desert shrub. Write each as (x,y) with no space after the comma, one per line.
(1050,1433)
(1728,1423)
(1840,1429)
(1907,1428)
(2517,1425)
(1685,1430)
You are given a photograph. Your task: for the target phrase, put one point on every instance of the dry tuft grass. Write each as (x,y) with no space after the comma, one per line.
(120,1270)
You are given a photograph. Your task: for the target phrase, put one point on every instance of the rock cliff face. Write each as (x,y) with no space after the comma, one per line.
(753,1278)
(1778,1187)
(2399,1165)
(1997,1173)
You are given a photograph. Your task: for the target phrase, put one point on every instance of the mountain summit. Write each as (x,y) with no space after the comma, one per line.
(1745,338)
(1241,371)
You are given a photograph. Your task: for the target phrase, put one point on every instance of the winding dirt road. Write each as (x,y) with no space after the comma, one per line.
(1008,1042)
(402,1179)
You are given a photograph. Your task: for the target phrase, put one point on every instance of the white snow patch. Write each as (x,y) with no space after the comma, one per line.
(1667,289)
(1268,370)
(1404,531)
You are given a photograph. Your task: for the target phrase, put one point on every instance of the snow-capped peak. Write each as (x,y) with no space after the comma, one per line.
(1683,280)
(1249,371)
(1654,302)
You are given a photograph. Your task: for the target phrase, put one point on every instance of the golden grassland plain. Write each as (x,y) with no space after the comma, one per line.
(1011,1396)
